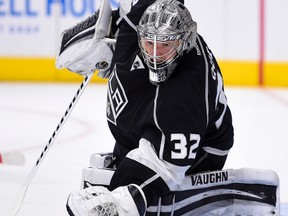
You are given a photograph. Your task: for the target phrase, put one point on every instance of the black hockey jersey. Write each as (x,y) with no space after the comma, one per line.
(187,113)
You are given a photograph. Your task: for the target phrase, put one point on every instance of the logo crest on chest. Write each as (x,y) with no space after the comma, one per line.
(116,97)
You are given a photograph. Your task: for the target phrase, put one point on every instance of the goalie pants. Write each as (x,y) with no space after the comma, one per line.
(207,162)
(203,162)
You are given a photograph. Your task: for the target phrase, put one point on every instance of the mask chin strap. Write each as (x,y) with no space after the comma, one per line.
(154,53)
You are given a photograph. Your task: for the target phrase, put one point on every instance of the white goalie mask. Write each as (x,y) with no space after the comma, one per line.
(166,32)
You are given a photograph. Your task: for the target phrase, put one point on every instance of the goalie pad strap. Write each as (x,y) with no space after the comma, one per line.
(138,199)
(68,209)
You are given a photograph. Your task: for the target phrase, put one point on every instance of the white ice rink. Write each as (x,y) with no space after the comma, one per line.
(29,113)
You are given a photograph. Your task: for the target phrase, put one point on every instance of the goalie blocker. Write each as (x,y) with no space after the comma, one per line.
(227,192)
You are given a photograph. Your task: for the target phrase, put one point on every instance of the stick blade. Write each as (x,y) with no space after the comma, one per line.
(18,201)
(12,158)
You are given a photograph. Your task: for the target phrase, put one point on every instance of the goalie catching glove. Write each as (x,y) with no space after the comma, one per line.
(99,201)
(86,46)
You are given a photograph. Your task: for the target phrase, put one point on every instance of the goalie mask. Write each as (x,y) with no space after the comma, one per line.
(166,32)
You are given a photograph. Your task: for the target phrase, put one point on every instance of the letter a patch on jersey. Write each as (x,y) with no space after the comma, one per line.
(137,64)
(117,98)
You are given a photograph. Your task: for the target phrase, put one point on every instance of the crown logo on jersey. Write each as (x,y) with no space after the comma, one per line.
(137,64)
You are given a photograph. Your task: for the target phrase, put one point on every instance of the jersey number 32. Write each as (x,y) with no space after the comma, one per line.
(184,148)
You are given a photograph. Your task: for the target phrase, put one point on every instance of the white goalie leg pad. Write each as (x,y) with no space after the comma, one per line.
(84,47)
(97,173)
(228,192)
(100,201)
(101,160)
(92,176)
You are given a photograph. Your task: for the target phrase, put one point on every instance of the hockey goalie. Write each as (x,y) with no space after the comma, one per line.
(168,112)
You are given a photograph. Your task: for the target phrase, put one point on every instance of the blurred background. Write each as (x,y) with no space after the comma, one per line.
(248,37)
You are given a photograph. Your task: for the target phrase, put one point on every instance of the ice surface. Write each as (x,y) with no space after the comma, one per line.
(29,113)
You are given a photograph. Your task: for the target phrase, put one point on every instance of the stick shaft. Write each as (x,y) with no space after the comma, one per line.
(22,192)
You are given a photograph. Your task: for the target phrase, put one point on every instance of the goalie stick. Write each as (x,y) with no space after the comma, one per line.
(12,158)
(22,191)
